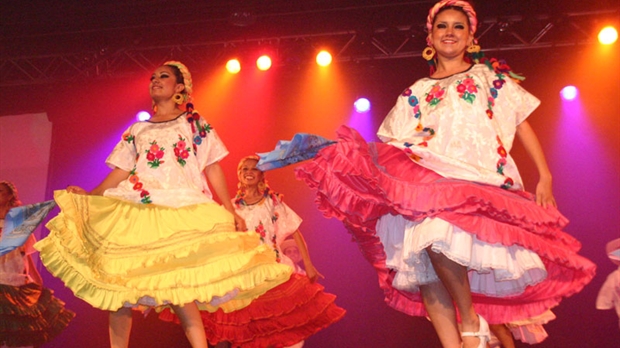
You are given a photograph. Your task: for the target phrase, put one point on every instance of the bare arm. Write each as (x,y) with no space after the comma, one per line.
(312,272)
(111,180)
(544,190)
(216,177)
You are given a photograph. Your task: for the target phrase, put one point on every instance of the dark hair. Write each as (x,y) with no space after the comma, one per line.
(177,74)
(14,201)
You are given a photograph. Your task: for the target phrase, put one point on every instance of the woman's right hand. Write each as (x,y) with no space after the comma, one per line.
(239,222)
(77,190)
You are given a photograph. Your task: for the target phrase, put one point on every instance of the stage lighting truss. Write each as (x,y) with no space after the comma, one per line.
(496,34)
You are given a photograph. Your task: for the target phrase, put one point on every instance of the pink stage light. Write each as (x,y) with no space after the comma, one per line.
(569,92)
(362,105)
(143,116)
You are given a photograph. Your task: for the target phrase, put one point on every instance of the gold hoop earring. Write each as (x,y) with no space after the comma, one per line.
(428,53)
(473,48)
(262,186)
(178,98)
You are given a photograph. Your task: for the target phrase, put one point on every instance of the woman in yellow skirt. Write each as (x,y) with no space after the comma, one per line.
(150,234)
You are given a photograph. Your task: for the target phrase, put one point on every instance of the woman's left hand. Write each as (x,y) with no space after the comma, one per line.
(544,194)
(313,274)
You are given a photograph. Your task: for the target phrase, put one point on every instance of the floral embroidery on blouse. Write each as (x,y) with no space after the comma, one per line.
(145,197)
(413,101)
(275,217)
(435,95)
(508,183)
(181,151)
(129,138)
(467,89)
(200,131)
(260,229)
(154,155)
(497,85)
(275,249)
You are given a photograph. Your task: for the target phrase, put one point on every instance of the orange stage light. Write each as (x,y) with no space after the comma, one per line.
(323,58)
(608,35)
(233,66)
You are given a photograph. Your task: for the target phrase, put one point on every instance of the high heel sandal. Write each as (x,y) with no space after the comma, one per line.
(484,334)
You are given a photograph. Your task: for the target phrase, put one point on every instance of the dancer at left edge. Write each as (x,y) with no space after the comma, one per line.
(30,314)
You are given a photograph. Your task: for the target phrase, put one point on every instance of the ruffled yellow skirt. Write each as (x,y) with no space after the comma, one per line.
(113,253)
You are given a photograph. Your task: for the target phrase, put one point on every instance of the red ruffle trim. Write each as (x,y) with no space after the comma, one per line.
(285,315)
(358,182)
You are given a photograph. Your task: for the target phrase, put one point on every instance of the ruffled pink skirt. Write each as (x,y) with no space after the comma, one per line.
(520,261)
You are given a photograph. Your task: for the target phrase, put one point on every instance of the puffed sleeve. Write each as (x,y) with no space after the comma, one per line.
(287,222)
(209,147)
(401,123)
(124,153)
(518,100)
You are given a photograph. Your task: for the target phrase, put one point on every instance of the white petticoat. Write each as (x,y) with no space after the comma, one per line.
(494,269)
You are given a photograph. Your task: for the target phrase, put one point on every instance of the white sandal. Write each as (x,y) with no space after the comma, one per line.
(484,334)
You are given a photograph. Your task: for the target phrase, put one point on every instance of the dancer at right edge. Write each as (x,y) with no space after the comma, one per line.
(439,208)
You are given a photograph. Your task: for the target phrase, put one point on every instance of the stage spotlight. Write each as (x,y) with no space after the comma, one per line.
(143,116)
(233,66)
(608,35)
(324,58)
(263,62)
(362,105)
(569,92)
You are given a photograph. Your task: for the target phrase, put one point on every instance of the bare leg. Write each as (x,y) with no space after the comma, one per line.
(119,324)
(503,334)
(189,315)
(454,278)
(440,308)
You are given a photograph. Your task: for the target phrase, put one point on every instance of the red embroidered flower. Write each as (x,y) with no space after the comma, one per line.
(501,151)
(133,179)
